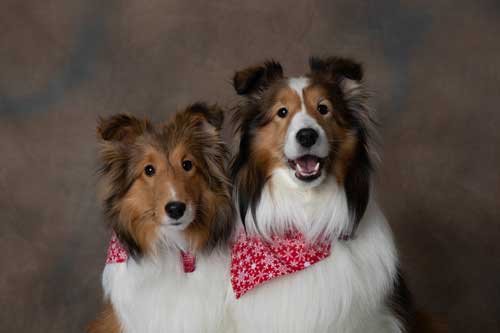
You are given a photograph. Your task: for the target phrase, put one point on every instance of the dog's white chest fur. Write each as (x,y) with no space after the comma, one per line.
(157,296)
(346,292)
(343,293)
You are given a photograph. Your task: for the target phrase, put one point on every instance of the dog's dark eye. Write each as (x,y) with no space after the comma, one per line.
(323,109)
(187,165)
(282,112)
(149,170)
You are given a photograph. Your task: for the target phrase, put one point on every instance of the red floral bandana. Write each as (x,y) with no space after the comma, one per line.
(118,254)
(254,261)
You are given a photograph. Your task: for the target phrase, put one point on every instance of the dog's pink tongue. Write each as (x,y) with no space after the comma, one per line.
(307,163)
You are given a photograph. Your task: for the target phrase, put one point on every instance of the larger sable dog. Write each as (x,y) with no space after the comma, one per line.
(167,198)
(302,182)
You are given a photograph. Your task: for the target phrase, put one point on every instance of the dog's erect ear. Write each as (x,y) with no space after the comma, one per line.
(256,78)
(211,115)
(337,68)
(121,128)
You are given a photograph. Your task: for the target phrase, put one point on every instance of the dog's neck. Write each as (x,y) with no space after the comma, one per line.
(117,254)
(314,211)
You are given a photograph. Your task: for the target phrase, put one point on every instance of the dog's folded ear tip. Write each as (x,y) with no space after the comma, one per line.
(119,127)
(213,114)
(337,66)
(251,79)
(244,80)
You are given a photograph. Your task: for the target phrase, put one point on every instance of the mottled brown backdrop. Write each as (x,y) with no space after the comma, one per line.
(434,68)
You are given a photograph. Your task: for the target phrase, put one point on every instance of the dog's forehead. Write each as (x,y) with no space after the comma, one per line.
(172,135)
(154,145)
(299,84)
(290,91)
(301,93)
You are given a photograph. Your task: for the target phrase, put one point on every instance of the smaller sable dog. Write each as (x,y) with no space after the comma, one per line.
(167,199)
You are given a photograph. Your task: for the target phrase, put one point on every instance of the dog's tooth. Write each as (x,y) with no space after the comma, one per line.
(316,167)
(300,169)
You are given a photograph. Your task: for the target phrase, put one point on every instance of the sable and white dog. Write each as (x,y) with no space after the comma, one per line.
(303,168)
(167,198)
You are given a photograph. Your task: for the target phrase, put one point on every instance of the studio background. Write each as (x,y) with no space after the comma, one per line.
(434,68)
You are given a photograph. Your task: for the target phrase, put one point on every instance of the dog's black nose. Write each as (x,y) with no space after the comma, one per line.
(307,137)
(175,209)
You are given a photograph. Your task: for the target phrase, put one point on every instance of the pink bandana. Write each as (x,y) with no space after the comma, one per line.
(254,261)
(188,261)
(118,254)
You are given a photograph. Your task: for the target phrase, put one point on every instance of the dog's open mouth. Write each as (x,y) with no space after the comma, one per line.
(307,167)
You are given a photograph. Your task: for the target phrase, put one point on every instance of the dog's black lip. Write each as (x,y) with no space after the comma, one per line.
(309,178)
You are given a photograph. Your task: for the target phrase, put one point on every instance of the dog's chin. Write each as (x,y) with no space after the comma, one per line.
(176,224)
(173,233)
(307,170)
(179,224)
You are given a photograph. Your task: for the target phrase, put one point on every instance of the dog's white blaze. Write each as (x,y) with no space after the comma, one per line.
(302,120)
(155,295)
(298,84)
(293,149)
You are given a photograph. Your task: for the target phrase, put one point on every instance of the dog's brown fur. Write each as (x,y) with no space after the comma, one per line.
(425,323)
(134,202)
(347,125)
(107,322)
(274,128)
